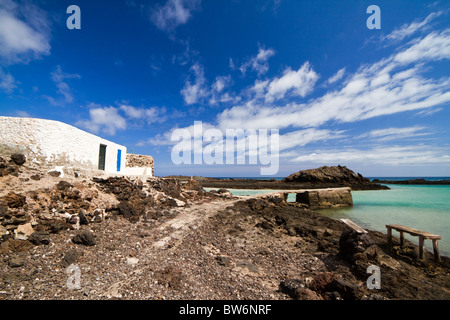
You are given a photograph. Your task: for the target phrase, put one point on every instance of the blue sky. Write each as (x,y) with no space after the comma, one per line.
(375,100)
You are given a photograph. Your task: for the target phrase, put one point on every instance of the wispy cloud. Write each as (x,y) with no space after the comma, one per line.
(59,77)
(7,82)
(385,155)
(337,76)
(173,13)
(258,63)
(389,134)
(110,119)
(407,30)
(391,85)
(197,89)
(24,32)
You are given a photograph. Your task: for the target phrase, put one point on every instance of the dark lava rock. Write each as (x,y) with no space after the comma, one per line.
(14,200)
(337,176)
(83,219)
(63,185)
(306,294)
(289,286)
(321,282)
(35,177)
(347,290)
(40,238)
(352,242)
(127,210)
(18,158)
(85,237)
(54,173)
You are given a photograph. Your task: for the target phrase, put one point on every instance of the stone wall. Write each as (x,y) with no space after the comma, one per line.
(137,164)
(326,198)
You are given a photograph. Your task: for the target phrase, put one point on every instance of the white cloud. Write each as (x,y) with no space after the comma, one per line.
(391,85)
(24,32)
(7,82)
(298,83)
(435,46)
(336,77)
(407,30)
(111,119)
(103,119)
(395,133)
(59,78)
(149,115)
(384,155)
(173,13)
(304,137)
(258,63)
(196,90)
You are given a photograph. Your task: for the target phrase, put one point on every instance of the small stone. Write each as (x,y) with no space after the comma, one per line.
(15,262)
(132,261)
(83,218)
(289,286)
(3,231)
(54,173)
(40,238)
(35,177)
(85,237)
(18,158)
(23,231)
(223,261)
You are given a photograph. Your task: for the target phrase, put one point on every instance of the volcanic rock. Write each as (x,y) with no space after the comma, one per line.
(85,237)
(334,176)
(18,158)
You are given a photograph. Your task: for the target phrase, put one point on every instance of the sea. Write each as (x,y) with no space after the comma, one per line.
(423,207)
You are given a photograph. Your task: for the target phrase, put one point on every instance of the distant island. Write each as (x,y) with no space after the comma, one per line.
(323,177)
(419,181)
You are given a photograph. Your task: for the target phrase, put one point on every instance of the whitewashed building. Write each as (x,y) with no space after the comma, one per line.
(58,144)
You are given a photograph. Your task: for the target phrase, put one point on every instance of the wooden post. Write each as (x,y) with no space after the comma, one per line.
(437,257)
(389,232)
(421,247)
(402,239)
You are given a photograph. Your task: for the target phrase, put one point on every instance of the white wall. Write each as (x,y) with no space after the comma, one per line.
(59,143)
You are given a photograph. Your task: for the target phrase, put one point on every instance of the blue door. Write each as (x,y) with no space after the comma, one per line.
(119,159)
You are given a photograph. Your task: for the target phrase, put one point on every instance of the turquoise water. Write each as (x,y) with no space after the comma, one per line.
(421,207)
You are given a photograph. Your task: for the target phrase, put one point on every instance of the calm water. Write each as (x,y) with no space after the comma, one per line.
(425,208)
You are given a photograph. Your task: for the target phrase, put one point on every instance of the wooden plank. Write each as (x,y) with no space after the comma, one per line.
(354,226)
(414,232)
(437,257)
(389,232)
(421,240)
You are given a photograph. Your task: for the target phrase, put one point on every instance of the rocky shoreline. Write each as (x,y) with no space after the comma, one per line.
(320,178)
(132,239)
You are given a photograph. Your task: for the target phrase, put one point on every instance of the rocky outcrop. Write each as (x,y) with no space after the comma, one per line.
(335,176)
